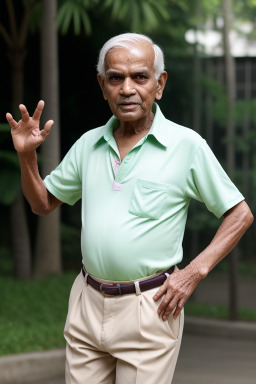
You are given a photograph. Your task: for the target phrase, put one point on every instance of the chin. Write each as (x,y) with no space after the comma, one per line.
(127,116)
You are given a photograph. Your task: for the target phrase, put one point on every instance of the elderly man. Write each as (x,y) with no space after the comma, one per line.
(135,176)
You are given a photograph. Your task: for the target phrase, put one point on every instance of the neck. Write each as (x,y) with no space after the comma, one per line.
(138,127)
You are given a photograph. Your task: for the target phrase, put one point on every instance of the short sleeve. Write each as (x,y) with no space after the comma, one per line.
(65,182)
(208,182)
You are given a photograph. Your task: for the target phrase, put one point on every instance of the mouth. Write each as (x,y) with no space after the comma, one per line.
(128,105)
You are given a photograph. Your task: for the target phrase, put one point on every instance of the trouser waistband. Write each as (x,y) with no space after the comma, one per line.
(115,289)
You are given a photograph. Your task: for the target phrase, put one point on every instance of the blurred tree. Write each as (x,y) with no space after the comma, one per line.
(10,170)
(142,16)
(230,127)
(48,249)
(223,105)
(15,38)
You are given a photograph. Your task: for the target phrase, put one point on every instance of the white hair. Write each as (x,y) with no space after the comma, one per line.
(128,41)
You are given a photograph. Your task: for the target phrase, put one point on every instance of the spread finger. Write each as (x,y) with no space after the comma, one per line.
(38,110)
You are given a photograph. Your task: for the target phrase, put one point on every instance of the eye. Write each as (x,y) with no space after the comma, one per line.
(115,78)
(140,78)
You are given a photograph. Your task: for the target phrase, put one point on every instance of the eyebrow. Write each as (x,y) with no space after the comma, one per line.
(112,72)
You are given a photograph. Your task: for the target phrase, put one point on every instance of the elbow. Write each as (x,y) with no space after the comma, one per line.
(41,210)
(247,218)
(46,206)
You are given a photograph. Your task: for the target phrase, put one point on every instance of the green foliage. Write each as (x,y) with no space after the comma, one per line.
(29,2)
(217,311)
(76,12)
(10,171)
(70,243)
(219,101)
(35,17)
(139,16)
(9,177)
(200,218)
(4,133)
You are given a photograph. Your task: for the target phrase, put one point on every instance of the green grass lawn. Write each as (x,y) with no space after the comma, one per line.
(33,313)
(217,311)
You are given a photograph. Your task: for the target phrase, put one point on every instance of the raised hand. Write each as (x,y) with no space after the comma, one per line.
(26,134)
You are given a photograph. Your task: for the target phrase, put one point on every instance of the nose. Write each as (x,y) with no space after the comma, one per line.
(127,88)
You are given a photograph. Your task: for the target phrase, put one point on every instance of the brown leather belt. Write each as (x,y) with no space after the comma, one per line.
(124,289)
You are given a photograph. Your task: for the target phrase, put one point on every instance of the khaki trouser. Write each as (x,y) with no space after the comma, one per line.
(119,339)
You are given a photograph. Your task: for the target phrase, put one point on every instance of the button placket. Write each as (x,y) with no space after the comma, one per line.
(122,170)
(115,163)
(124,166)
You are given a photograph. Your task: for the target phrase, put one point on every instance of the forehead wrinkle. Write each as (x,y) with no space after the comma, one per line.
(122,56)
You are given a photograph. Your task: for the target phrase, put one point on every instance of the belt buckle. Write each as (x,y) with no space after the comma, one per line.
(110,286)
(101,289)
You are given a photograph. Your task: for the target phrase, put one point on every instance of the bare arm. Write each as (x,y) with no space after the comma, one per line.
(42,202)
(181,283)
(26,136)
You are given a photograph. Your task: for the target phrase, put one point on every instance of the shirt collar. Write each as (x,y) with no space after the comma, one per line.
(157,129)
(158,126)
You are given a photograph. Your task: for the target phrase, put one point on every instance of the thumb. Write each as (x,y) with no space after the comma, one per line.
(47,128)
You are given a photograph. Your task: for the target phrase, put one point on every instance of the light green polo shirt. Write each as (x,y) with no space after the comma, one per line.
(133,221)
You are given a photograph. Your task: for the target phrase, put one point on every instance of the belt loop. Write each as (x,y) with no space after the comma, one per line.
(119,289)
(137,288)
(86,277)
(167,274)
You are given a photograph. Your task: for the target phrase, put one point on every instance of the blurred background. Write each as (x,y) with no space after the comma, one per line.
(49,50)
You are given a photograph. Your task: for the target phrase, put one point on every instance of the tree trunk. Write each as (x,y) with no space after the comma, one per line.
(48,253)
(230,126)
(246,156)
(197,74)
(209,102)
(21,247)
(197,69)
(246,124)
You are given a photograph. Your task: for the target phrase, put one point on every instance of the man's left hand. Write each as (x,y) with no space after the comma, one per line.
(176,289)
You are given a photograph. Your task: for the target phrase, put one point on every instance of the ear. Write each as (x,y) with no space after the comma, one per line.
(160,85)
(102,85)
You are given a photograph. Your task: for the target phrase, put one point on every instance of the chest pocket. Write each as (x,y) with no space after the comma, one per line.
(149,199)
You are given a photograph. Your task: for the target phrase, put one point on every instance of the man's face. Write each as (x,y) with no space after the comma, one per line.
(130,86)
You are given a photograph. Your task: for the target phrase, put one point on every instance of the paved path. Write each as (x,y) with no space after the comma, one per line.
(208,360)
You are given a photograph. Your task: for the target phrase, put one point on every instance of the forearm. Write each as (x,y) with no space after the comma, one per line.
(236,221)
(40,200)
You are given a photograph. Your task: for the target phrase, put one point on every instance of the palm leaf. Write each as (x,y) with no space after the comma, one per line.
(150,19)
(64,17)
(86,22)
(116,8)
(77,21)
(161,9)
(76,12)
